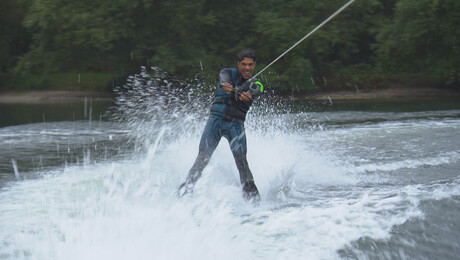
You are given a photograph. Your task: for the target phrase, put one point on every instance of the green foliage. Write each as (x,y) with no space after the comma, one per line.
(422,41)
(74,35)
(345,41)
(14,38)
(370,42)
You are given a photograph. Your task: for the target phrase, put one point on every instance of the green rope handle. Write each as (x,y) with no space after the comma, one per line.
(261,86)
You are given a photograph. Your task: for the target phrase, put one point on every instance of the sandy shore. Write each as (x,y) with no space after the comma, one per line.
(58,96)
(390,94)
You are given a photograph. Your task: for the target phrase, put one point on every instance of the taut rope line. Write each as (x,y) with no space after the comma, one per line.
(308,35)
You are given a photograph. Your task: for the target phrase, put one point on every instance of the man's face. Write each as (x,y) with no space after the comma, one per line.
(246,67)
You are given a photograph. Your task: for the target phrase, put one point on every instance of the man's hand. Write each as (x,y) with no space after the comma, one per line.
(227,87)
(245,96)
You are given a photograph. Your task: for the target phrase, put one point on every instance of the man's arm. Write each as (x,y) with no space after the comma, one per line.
(225,76)
(245,96)
(252,90)
(225,80)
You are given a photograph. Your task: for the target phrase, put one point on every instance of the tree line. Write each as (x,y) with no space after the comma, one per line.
(373,43)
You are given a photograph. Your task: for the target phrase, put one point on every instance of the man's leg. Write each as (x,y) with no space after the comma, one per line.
(250,190)
(208,143)
(237,140)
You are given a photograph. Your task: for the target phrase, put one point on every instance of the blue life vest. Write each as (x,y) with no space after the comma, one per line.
(228,106)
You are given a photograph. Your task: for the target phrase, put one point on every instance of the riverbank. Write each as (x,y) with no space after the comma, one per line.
(51,96)
(389,94)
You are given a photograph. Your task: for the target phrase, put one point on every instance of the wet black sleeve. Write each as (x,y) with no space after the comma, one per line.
(225,76)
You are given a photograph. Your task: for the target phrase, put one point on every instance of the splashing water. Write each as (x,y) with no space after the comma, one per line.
(333,185)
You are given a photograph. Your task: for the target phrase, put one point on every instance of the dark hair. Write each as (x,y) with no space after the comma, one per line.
(246,53)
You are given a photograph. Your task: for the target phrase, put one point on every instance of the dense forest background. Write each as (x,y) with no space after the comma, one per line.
(95,44)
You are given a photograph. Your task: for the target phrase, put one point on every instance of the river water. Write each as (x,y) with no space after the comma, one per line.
(335,184)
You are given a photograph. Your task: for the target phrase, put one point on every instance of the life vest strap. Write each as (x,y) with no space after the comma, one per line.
(226,101)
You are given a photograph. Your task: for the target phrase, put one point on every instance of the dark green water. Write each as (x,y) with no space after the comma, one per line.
(19,114)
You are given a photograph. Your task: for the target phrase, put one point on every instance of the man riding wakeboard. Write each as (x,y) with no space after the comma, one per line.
(234,96)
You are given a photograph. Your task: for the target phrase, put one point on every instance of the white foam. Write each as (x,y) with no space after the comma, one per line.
(123,211)
(312,202)
(443,158)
